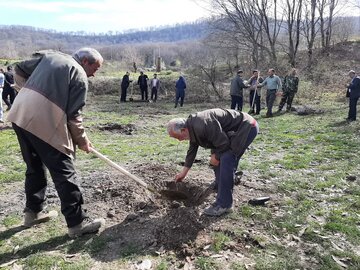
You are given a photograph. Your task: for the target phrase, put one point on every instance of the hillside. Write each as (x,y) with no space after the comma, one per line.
(18,41)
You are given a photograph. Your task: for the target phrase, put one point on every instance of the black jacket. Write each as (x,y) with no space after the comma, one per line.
(125,82)
(354,88)
(218,129)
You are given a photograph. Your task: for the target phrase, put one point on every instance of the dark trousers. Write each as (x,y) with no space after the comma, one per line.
(236,101)
(154,93)
(255,102)
(225,172)
(270,99)
(8,96)
(352,108)
(180,95)
(123,94)
(144,93)
(288,99)
(37,154)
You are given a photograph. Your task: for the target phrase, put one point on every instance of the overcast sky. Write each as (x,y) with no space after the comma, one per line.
(98,15)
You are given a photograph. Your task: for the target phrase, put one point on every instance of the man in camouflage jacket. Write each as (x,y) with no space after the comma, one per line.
(290,87)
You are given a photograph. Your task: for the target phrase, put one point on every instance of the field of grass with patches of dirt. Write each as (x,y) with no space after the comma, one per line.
(307,165)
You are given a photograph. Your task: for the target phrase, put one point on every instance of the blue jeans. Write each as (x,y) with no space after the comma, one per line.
(225,172)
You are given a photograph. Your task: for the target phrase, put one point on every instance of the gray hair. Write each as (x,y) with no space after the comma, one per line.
(90,54)
(175,125)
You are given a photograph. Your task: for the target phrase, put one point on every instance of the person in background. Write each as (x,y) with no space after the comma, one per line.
(236,91)
(228,133)
(125,82)
(354,94)
(2,80)
(255,93)
(180,86)
(9,92)
(290,88)
(273,84)
(143,83)
(46,117)
(155,87)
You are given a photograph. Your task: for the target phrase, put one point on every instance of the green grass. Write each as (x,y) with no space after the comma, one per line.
(203,263)
(300,162)
(219,241)
(44,261)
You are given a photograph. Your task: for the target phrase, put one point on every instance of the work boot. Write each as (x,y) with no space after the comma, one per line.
(216,210)
(85,227)
(213,186)
(32,218)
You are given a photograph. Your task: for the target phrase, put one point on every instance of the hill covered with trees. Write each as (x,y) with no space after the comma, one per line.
(19,41)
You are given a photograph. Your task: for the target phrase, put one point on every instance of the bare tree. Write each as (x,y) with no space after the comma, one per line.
(309,28)
(255,23)
(293,14)
(326,16)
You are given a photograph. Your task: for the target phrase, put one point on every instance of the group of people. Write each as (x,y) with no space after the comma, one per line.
(7,90)
(50,139)
(273,83)
(155,85)
(144,84)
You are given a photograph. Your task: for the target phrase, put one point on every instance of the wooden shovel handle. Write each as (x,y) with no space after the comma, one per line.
(120,169)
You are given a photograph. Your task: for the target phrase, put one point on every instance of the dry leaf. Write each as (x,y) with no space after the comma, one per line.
(339,262)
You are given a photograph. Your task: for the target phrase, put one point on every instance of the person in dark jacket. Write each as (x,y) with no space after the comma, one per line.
(180,91)
(236,91)
(125,82)
(255,93)
(9,92)
(143,83)
(227,133)
(46,117)
(354,94)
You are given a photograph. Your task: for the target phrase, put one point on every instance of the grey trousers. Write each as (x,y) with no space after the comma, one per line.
(270,99)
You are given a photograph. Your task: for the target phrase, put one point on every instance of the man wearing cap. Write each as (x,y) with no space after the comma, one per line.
(354,94)
(236,91)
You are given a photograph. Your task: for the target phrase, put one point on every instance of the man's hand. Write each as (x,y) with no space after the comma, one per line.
(86,147)
(214,161)
(180,176)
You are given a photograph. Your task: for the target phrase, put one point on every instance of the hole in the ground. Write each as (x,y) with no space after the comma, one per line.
(127,129)
(190,194)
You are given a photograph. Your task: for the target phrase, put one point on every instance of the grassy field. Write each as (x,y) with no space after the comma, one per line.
(308,165)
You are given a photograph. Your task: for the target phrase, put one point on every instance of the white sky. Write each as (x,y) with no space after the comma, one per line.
(100,15)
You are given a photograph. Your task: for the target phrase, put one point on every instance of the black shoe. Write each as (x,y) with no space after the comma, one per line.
(213,186)
(350,119)
(251,112)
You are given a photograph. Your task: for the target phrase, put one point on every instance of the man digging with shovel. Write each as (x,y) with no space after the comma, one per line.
(46,117)
(227,133)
